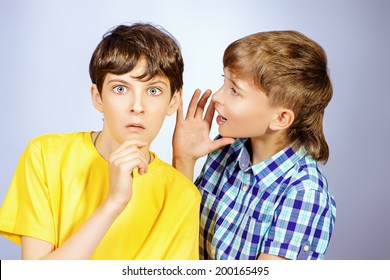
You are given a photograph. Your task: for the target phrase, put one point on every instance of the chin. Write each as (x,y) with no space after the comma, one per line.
(231,135)
(226,134)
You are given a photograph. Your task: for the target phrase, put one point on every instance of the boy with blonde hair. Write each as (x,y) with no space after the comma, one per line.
(263,193)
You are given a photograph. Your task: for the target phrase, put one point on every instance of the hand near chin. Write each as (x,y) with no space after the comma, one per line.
(122,162)
(191,139)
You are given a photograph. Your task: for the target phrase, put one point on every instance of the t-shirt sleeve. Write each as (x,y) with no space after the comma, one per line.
(26,209)
(190,233)
(302,225)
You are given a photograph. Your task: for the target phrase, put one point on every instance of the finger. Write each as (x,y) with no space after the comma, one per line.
(133,141)
(127,162)
(130,161)
(193,103)
(179,113)
(142,166)
(216,144)
(202,103)
(125,151)
(129,143)
(125,155)
(210,113)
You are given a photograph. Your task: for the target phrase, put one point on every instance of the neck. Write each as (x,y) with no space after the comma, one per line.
(264,148)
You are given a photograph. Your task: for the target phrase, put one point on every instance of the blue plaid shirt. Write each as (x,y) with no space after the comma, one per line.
(280,206)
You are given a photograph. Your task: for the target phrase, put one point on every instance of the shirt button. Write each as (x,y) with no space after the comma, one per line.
(230,220)
(245,188)
(306,248)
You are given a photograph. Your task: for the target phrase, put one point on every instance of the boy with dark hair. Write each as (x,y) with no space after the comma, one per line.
(104,195)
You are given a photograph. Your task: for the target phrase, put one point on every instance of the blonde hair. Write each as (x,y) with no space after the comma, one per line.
(292,70)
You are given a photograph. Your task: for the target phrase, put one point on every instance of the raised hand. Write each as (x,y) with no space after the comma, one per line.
(123,161)
(191,139)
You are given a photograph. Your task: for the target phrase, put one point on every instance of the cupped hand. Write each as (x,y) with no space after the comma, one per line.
(191,138)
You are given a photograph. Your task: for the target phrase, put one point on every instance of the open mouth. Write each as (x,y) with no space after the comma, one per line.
(221,120)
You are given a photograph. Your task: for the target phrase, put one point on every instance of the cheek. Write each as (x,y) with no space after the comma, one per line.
(157,108)
(114,111)
(156,115)
(113,104)
(240,111)
(247,118)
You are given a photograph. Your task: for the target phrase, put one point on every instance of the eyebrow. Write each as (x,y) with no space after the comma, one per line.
(117,81)
(235,84)
(157,81)
(149,82)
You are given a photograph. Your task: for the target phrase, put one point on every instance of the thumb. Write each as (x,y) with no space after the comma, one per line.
(216,144)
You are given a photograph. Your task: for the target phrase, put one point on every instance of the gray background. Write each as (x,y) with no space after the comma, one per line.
(46,46)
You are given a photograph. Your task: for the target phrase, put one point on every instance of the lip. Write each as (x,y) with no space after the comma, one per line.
(220,118)
(135,127)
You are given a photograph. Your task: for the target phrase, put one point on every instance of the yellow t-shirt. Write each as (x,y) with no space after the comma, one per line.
(61,179)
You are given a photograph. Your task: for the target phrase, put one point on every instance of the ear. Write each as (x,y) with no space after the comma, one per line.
(96,98)
(283,119)
(174,103)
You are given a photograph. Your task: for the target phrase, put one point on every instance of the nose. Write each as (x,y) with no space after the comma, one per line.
(216,97)
(136,104)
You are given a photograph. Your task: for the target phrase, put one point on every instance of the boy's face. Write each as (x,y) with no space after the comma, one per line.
(243,109)
(133,108)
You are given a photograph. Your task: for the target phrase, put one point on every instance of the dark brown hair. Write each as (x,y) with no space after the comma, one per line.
(292,70)
(123,46)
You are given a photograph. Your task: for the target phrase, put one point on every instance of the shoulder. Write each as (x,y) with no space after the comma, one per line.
(57,138)
(306,187)
(46,139)
(308,184)
(55,145)
(307,174)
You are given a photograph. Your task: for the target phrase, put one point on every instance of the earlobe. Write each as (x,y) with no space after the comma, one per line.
(96,98)
(174,103)
(283,119)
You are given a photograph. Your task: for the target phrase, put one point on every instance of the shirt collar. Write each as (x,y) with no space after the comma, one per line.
(242,154)
(269,170)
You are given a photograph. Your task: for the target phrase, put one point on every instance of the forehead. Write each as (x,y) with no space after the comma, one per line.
(237,78)
(139,69)
(246,85)
(140,72)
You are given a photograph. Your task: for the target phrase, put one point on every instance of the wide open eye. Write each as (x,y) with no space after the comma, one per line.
(120,89)
(154,91)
